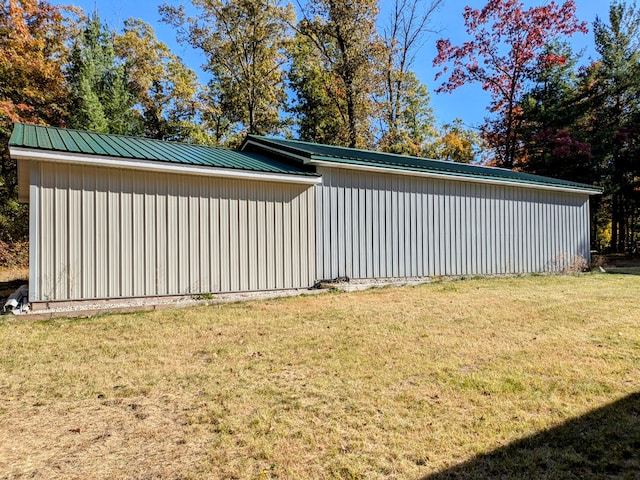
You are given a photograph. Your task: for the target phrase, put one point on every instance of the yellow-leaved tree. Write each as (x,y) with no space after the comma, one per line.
(33,51)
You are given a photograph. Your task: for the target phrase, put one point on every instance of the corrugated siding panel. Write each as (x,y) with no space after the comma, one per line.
(35,247)
(107,233)
(376,225)
(311,228)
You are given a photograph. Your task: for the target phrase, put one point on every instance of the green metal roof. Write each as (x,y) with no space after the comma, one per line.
(355,157)
(139,148)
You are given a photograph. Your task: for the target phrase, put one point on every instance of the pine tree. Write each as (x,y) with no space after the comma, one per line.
(555,138)
(101,98)
(613,86)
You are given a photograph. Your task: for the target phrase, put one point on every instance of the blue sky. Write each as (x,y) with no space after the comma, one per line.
(468,103)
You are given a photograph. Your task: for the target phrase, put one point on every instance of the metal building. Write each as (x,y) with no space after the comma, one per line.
(114,216)
(382,215)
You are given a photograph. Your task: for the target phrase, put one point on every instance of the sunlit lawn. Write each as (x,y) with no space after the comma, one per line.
(389,383)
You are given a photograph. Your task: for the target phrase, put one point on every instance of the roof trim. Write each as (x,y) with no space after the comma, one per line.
(335,163)
(279,151)
(304,152)
(78,142)
(21,153)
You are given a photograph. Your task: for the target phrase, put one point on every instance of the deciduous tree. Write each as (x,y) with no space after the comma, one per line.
(402,96)
(345,36)
(33,50)
(166,91)
(318,104)
(414,125)
(244,42)
(506,44)
(455,143)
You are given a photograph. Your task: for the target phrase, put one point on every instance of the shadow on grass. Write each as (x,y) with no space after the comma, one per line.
(624,270)
(7,288)
(603,444)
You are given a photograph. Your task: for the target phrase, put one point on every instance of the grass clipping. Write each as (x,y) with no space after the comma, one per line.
(465,379)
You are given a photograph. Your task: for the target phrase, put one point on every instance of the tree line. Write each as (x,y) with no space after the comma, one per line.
(337,72)
(554,113)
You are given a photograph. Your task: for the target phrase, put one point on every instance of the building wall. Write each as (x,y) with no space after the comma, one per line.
(108,233)
(374,225)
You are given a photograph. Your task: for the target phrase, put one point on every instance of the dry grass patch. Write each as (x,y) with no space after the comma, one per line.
(14,274)
(387,383)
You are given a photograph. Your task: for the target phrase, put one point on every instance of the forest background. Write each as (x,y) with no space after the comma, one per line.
(340,72)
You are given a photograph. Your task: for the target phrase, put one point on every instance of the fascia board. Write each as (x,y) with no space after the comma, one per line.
(21,153)
(453,176)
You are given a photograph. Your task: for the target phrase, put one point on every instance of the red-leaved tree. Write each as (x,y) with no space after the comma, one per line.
(507,43)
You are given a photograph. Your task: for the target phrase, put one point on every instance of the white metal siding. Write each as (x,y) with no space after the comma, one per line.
(107,233)
(384,225)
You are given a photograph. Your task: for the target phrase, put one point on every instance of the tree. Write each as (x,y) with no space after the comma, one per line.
(582,125)
(414,123)
(613,88)
(555,136)
(506,44)
(33,50)
(401,93)
(455,143)
(245,42)
(344,36)
(319,104)
(101,98)
(166,91)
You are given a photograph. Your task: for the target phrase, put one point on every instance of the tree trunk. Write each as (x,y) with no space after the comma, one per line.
(252,121)
(351,113)
(614,222)
(622,234)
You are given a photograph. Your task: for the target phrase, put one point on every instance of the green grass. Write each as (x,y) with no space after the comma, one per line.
(441,379)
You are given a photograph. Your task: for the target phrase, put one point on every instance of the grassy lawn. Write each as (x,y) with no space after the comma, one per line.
(530,377)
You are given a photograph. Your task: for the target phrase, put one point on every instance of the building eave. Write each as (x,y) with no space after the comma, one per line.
(22,153)
(487,175)
(333,163)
